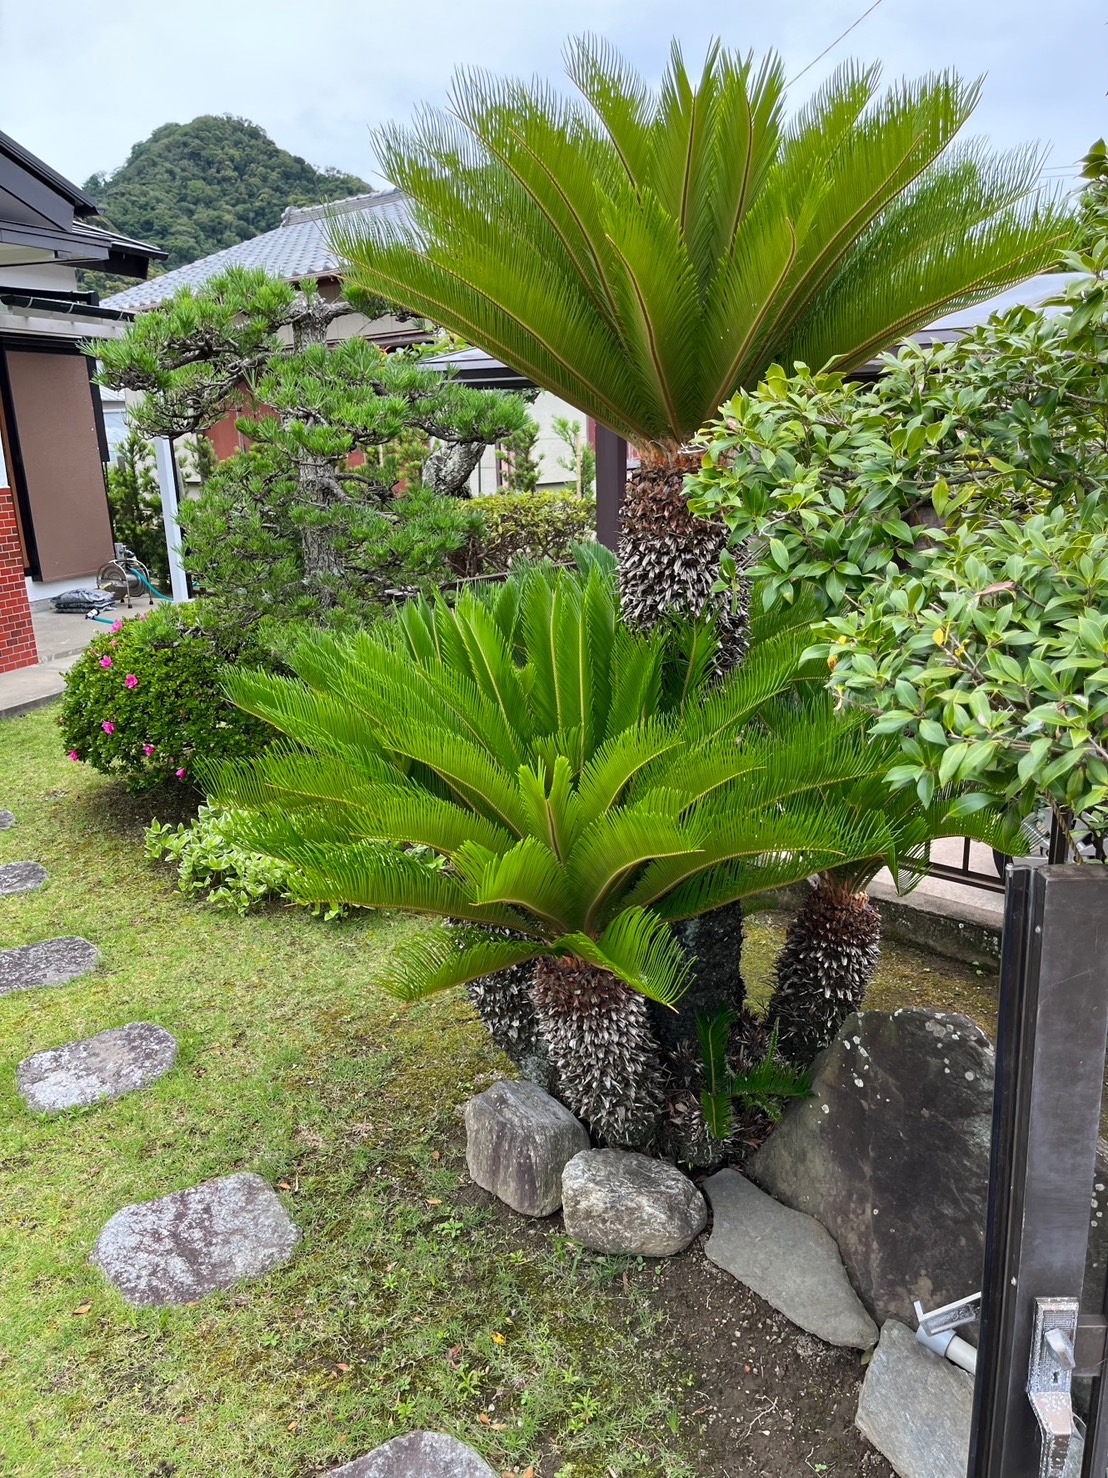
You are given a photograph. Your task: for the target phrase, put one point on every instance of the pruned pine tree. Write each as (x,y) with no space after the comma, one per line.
(305,518)
(665,247)
(585,787)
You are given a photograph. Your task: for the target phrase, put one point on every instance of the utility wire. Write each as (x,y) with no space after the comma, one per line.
(834,43)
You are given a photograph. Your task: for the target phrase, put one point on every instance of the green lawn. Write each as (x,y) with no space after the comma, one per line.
(410,1302)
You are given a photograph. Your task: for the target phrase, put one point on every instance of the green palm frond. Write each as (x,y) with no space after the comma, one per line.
(668,246)
(430,963)
(639,949)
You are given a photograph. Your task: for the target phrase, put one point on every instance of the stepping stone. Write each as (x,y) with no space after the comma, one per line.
(105,1066)
(50,962)
(191,1243)
(788,1259)
(418,1455)
(21,877)
(6,820)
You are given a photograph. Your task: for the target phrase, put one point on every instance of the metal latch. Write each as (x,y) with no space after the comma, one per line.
(950,1316)
(1049,1379)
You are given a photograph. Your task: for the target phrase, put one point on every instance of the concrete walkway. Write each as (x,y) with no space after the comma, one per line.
(61,639)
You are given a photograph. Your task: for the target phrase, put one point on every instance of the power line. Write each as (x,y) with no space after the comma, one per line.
(834,43)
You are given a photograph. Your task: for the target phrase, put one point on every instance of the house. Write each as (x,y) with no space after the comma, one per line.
(54,525)
(298,251)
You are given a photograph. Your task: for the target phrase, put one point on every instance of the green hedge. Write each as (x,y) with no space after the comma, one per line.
(544,525)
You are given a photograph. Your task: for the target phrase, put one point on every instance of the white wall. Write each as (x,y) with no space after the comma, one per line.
(549,449)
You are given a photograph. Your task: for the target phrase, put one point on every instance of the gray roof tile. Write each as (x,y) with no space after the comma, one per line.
(297,248)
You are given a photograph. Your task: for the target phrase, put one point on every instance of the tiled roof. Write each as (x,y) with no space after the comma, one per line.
(297,248)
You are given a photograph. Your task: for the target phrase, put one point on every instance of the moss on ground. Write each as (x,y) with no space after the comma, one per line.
(409,1302)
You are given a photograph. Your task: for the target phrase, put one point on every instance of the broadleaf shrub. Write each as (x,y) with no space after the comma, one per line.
(532,526)
(210,865)
(144,701)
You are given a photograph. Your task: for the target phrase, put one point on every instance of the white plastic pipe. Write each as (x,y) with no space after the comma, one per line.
(950,1345)
(167,482)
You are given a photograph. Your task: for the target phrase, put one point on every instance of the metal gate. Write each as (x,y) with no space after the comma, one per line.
(1042,1353)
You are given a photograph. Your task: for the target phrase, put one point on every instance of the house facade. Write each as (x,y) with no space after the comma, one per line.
(54,526)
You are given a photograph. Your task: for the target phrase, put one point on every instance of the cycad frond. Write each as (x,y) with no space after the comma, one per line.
(429,963)
(640,950)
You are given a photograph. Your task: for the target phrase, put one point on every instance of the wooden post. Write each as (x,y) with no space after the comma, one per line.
(611,479)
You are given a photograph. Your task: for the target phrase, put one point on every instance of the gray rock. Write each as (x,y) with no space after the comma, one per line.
(620,1202)
(518,1141)
(50,962)
(105,1066)
(891,1155)
(916,1407)
(418,1455)
(21,877)
(6,820)
(787,1258)
(190,1243)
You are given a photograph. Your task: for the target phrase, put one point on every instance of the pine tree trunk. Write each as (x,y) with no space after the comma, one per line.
(827,963)
(602,1049)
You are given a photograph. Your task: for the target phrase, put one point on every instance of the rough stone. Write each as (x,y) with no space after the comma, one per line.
(891,1155)
(418,1455)
(107,1065)
(619,1202)
(6,820)
(916,1407)
(21,877)
(518,1141)
(183,1246)
(787,1258)
(50,962)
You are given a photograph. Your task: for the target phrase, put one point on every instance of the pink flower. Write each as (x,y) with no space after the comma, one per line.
(73,755)
(148,749)
(108,726)
(116,626)
(130,681)
(105,661)
(180,774)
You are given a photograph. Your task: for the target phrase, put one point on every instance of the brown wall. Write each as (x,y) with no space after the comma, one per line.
(59,448)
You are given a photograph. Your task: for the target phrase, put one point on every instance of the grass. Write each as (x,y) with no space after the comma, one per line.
(409,1301)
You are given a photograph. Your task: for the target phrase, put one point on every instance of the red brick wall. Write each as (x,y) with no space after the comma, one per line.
(17,634)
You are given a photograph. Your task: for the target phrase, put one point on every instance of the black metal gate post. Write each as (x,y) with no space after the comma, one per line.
(1051,1040)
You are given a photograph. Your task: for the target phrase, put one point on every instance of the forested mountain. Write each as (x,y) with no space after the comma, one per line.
(192,188)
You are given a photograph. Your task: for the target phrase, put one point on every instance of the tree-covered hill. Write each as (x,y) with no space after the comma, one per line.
(193,188)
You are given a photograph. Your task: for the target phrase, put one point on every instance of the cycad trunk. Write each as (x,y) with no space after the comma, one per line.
(827,963)
(602,1050)
(669,558)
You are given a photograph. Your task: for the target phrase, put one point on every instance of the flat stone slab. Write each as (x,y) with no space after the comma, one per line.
(916,1407)
(6,820)
(21,877)
(191,1243)
(418,1455)
(617,1201)
(105,1066)
(50,962)
(518,1142)
(786,1258)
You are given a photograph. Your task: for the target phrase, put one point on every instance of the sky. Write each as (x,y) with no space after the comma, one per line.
(82,83)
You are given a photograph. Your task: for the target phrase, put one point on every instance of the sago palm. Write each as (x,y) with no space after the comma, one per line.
(584,787)
(643,254)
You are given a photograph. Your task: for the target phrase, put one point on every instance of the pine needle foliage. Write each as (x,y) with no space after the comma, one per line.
(643,253)
(582,782)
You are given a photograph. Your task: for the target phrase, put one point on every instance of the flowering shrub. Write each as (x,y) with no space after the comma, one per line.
(144,700)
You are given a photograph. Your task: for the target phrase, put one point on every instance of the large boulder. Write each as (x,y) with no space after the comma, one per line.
(619,1202)
(891,1155)
(418,1455)
(786,1258)
(518,1142)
